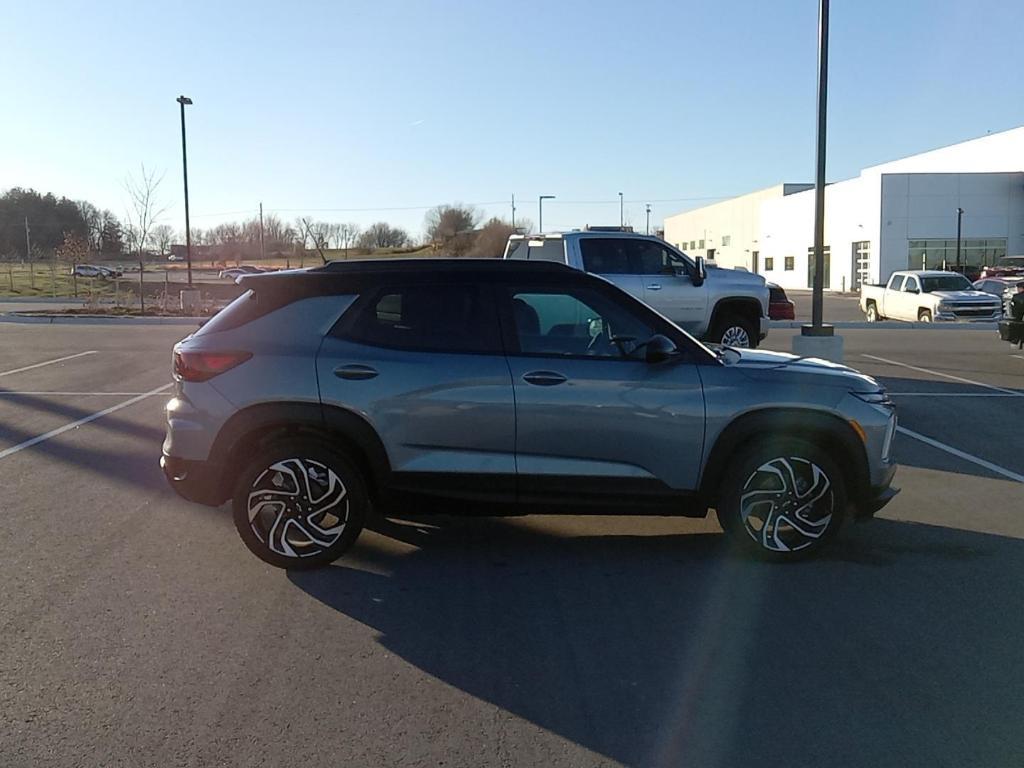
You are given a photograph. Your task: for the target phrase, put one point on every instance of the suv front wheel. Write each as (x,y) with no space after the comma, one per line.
(782,499)
(299,504)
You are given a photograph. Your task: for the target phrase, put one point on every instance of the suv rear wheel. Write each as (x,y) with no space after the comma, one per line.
(735,331)
(299,504)
(782,499)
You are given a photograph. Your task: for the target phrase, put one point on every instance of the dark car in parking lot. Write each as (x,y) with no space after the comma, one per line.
(497,387)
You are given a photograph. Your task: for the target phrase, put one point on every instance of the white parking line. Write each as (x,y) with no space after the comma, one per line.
(85,420)
(952,394)
(945,375)
(10,393)
(955,452)
(48,362)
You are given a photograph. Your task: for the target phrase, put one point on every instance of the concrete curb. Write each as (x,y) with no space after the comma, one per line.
(15,317)
(891,325)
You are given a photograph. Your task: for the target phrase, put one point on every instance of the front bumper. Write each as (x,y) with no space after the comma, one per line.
(877,496)
(196,481)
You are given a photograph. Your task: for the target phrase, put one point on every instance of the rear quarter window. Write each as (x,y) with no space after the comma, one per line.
(548,249)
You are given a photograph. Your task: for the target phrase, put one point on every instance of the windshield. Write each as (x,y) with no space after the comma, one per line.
(945,283)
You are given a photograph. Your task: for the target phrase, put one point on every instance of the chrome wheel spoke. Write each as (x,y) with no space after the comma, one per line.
(298,507)
(786,504)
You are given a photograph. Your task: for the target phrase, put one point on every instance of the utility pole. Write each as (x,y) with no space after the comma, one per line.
(28,242)
(647,231)
(263,254)
(959,221)
(513,211)
(622,218)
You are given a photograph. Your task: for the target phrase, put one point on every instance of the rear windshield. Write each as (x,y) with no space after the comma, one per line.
(549,249)
(242,310)
(945,283)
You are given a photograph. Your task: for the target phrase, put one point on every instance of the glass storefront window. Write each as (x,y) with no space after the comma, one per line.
(940,254)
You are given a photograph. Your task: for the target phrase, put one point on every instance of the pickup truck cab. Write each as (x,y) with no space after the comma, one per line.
(723,306)
(928,296)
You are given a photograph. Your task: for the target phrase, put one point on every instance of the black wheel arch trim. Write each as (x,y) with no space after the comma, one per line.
(825,429)
(248,428)
(745,305)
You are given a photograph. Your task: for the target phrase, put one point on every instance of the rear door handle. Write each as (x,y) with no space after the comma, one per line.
(544,378)
(355,372)
(654,287)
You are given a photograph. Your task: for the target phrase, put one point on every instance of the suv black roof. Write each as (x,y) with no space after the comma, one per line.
(365,266)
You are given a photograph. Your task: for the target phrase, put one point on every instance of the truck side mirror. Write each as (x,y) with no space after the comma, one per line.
(701,271)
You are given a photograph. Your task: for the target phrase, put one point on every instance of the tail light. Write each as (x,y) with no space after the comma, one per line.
(200,366)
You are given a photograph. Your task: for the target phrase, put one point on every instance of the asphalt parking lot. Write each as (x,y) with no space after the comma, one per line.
(137,630)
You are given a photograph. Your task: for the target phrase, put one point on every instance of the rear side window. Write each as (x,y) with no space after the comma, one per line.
(896,283)
(429,318)
(604,256)
(242,310)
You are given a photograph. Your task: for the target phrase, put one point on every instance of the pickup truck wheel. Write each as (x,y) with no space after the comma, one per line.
(782,499)
(734,331)
(924,316)
(299,504)
(872,313)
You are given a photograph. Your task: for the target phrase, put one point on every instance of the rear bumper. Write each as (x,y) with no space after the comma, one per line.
(763,329)
(196,481)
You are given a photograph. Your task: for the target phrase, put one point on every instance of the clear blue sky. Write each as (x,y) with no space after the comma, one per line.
(354,105)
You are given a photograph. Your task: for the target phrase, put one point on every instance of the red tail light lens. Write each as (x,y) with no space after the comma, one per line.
(200,366)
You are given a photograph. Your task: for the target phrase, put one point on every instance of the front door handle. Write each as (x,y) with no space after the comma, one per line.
(355,372)
(544,378)
(654,287)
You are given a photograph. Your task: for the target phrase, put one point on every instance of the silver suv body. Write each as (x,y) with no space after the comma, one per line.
(723,306)
(495,387)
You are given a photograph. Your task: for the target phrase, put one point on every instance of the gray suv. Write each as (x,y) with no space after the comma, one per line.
(505,387)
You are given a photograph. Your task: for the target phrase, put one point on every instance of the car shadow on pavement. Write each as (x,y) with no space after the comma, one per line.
(900,647)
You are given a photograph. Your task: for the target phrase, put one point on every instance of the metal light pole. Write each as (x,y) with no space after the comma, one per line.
(959,222)
(540,211)
(183,100)
(647,230)
(622,218)
(817,328)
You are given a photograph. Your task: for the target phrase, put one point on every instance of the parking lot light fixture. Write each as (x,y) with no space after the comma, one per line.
(183,101)
(540,211)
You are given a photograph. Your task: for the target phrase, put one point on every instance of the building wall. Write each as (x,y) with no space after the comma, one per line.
(729,228)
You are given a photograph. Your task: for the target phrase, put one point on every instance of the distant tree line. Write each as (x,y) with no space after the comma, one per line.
(57,225)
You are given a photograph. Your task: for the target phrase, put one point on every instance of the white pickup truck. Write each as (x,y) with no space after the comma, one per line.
(928,296)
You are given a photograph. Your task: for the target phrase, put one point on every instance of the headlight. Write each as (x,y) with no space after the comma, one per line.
(944,307)
(879,397)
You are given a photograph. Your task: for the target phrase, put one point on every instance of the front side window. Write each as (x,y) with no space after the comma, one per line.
(647,257)
(436,318)
(545,249)
(577,322)
(910,285)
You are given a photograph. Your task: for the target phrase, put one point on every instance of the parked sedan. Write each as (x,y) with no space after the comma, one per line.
(88,270)
(779,305)
(234,273)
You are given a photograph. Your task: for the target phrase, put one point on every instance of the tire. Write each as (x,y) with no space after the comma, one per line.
(734,331)
(291,525)
(872,313)
(924,316)
(768,469)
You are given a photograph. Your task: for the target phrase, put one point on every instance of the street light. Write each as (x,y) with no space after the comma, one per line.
(183,100)
(648,228)
(817,328)
(540,211)
(959,221)
(622,219)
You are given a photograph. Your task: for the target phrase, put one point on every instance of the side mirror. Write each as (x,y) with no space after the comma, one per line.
(701,273)
(659,348)
(913,290)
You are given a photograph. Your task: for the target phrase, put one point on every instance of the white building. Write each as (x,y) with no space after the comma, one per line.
(897,215)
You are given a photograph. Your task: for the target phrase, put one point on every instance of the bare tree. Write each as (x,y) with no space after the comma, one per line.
(348,234)
(144,209)
(449,227)
(491,239)
(94,221)
(383,235)
(162,237)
